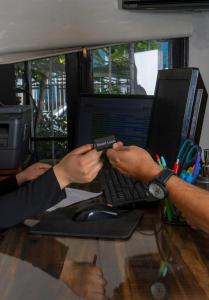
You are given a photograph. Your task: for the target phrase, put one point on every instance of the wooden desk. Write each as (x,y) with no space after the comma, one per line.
(130,267)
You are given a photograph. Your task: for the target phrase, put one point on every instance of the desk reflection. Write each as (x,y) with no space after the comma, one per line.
(187,276)
(20,280)
(33,264)
(46,267)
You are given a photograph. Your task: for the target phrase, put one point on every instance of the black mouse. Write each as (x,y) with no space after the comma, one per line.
(95,212)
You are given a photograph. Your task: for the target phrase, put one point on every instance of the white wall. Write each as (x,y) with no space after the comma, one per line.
(199,57)
(47,25)
(51,24)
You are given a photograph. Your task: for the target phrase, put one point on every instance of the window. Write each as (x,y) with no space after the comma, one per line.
(20,80)
(48,96)
(111,72)
(130,68)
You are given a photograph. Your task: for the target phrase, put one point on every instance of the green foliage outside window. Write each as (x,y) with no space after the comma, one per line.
(111,66)
(146,45)
(45,74)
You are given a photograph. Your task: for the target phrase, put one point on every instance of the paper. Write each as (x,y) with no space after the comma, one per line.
(73,196)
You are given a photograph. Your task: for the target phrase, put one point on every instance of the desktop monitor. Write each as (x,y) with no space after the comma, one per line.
(127,117)
(15,129)
(178,111)
(160,123)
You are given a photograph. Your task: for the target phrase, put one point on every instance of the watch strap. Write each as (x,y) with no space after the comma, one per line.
(164,175)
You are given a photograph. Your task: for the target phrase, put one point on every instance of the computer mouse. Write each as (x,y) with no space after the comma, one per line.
(96,211)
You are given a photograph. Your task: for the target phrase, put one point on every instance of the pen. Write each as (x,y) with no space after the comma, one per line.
(163,268)
(163,162)
(196,167)
(189,178)
(158,161)
(176,166)
(183,174)
(190,170)
(169,210)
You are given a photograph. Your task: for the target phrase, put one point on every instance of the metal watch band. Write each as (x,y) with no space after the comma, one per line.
(164,175)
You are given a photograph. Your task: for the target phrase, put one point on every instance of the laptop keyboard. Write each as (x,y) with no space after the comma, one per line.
(121,191)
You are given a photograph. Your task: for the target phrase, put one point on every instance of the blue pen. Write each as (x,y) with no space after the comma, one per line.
(189,178)
(183,174)
(163,162)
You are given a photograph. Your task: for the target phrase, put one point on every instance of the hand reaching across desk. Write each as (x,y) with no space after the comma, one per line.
(133,162)
(79,166)
(191,200)
(45,185)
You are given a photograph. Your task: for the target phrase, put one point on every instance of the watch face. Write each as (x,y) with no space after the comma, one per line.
(156,191)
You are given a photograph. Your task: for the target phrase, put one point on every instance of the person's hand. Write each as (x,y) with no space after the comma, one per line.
(79,166)
(32,172)
(133,161)
(84,279)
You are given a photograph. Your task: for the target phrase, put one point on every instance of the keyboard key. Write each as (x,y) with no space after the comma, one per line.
(122,191)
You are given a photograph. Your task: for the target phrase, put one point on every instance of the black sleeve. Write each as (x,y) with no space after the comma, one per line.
(30,199)
(8,185)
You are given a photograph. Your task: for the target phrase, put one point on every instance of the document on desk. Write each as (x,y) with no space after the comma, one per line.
(73,196)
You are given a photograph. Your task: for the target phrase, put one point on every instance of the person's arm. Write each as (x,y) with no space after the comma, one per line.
(32,172)
(8,185)
(191,200)
(30,199)
(79,166)
(12,183)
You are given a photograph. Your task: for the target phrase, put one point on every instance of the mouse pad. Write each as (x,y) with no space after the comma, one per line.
(60,223)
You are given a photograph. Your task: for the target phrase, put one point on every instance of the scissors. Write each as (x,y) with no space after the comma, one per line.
(188,154)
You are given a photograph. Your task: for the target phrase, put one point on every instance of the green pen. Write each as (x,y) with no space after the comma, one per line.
(169,210)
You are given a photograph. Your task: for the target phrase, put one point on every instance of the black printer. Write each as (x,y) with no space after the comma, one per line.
(15,131)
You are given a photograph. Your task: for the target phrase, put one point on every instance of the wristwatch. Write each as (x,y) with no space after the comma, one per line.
(157,187)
